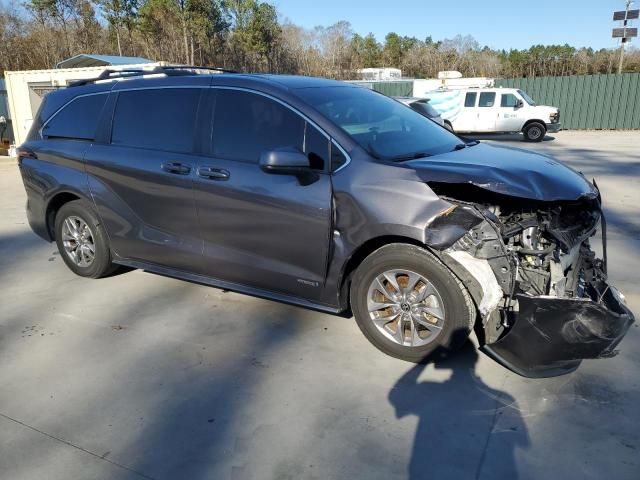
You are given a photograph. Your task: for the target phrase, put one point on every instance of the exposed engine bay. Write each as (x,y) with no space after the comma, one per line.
(534,264)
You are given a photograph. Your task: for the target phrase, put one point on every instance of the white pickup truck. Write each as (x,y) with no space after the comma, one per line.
(495,110)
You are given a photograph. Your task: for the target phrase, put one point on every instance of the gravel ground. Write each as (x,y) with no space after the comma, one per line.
(141,376)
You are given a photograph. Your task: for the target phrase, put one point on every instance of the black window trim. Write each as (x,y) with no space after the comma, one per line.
(116,91)
(346,155)
(297,112)
(54,114)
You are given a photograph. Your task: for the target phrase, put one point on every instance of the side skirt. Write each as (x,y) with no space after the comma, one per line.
(235,287)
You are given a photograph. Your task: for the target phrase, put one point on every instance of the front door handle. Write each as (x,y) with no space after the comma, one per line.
(177,168)
(213,173)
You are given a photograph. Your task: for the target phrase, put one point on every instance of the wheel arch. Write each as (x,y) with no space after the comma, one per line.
(54,204)
(533,120)
(373,244)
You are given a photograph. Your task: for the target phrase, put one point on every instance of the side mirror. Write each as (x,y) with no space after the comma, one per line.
(288,161)
(519,104)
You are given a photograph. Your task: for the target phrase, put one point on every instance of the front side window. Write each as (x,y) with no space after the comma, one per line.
(527,98)
(470,99)
(157,119)
(78,120)
(487,99)
(508,100)
(382,126)
(247,124)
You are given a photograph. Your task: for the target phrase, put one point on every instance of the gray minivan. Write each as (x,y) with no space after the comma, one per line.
(329,196)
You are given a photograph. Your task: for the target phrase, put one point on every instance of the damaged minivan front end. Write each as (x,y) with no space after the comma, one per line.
(542,293)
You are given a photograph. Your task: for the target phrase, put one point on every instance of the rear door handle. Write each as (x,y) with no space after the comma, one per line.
(213,173)
(177,168)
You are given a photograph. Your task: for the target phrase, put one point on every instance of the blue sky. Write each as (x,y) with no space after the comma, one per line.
(497,23)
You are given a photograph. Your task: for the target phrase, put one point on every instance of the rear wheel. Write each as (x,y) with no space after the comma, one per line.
(534,132)
(409,305)
(82,241)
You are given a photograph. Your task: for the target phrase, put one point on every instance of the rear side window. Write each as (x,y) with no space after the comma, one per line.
(157,119)
(247,124)
(508,100)
(487,99)
(78,120)
(470,99)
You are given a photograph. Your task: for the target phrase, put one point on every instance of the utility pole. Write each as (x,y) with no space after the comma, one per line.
(624,33)
(623,40)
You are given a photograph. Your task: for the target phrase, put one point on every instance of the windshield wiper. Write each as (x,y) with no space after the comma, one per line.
(411,156)
(466,144)
(398,158)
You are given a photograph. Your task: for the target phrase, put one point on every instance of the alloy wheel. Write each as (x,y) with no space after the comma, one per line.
(406,308)
(78,241)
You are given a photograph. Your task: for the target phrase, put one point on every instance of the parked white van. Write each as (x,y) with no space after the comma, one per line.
(495,110)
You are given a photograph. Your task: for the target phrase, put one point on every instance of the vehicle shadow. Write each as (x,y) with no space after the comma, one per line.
(459,421)
(504,137)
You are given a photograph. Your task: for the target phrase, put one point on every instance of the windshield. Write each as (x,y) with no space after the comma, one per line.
(527,98)
(384,127)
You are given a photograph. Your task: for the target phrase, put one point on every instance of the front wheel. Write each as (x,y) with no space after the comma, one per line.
(409,305)
(534,132)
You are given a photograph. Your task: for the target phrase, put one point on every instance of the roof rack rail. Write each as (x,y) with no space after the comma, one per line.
(169,70)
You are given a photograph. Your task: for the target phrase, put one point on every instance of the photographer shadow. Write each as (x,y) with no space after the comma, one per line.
(466,429)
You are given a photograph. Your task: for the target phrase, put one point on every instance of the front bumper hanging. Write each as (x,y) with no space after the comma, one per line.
(551,336)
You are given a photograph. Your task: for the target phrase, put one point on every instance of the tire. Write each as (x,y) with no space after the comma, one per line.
(451,301)
(534,132)
(448,126)
(74,213)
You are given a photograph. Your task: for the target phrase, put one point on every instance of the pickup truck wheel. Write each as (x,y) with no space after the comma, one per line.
(409,305)
(82,241)
(448,126)
(534,132)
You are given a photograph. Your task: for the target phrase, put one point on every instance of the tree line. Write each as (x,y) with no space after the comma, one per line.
(249,35)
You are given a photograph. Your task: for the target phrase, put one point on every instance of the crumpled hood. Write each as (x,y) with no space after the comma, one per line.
(508,171)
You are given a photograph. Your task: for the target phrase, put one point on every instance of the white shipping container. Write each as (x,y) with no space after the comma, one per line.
(25,90)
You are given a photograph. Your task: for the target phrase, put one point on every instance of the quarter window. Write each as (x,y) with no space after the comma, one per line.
(470,99)
(508,100)
(338,158)
(78,120)
(158,119)
(248,124)
(487,99)
(316,147)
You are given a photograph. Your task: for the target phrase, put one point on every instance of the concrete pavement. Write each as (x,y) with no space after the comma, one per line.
(141,376)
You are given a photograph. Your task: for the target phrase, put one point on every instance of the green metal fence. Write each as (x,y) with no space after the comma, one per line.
(587,101)
(393,88)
